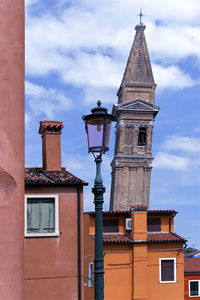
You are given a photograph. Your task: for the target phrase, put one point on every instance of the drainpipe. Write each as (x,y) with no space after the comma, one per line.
(170,223)
(79,239)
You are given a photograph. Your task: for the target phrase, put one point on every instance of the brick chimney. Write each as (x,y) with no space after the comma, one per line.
(139,222)
(51,145)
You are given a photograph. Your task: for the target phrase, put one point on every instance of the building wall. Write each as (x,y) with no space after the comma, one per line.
(132,270)
(188,277)
(118,272)
(51,263)
(165,291)
(11,149)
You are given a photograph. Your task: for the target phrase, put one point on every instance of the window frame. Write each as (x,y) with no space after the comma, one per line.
(148,225)
(116,226)
(42,234)
(90,276)
(142,129)
(193,280)
(160,261)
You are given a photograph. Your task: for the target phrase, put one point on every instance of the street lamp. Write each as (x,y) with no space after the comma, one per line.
(98,126)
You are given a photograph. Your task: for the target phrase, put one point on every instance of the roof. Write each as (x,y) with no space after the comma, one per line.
(192,265)
(128,213)
(193,254)
(138,68)
(120,238)
(50,126)
(164,237)
(38,176)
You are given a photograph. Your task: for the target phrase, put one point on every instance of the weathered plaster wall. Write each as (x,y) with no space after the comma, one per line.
(11,149)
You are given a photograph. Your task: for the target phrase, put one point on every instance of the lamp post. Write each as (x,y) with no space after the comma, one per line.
(98,126)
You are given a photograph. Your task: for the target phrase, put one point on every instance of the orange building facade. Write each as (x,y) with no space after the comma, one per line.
(143,257)
(53,225)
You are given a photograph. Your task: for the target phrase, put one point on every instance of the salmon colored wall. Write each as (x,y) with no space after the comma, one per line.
(132,271)
(188,277)
(139,226)
(88,255)
(118,272)
(51,151)
(165,223)
(11,149)
(165,291)
(51,266)
(120,218)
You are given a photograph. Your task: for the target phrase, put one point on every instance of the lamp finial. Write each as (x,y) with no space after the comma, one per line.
(98,103)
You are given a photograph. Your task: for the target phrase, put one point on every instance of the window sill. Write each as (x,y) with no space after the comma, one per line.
(43,235)
(167,281)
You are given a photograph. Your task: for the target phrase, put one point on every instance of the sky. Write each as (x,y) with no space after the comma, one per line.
(76,53)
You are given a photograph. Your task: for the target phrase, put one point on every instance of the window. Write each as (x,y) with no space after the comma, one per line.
(194,288)
(110,225)
(142,136)
(90,275)
(154,224)
(167,270)
(41,215)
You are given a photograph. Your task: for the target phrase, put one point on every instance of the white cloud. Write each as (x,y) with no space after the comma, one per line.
(27,119)
(30,2)
(89,53)
(175,42)
(182,143)
(169,161)
(46,101)
(171,77)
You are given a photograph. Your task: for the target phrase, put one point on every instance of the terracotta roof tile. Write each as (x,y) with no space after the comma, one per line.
(40,176)
(50,125)
(192,265)
(138,207)
(128,213)
(161,211)
(116,238)
(120,238)
(192,254)
(165,237)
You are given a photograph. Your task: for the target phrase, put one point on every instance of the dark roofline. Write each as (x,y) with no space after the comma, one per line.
(127,212)
(192,272)
(143,242)
(28,184)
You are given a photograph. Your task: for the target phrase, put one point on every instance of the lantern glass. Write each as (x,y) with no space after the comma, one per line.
(95,131)
(98,127)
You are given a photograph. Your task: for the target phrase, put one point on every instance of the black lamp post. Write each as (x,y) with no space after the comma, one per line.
(98,126)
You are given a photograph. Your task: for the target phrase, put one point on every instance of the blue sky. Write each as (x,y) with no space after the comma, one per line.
(76,52)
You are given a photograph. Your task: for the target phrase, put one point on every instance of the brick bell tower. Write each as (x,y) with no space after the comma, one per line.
(135,112)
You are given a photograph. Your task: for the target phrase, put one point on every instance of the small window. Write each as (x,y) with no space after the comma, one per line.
(110,225)
(142,136)
(194,288)
(167,270)
(90,275)
(41,215)
(154,224)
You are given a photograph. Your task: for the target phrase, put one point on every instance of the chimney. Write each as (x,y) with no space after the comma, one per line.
(51,146)
(139,222)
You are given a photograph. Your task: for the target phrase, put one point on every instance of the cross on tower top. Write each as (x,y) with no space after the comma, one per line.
(141,15)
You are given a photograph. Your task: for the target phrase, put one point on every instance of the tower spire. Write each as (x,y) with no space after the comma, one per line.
(135,113)
(141,15)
